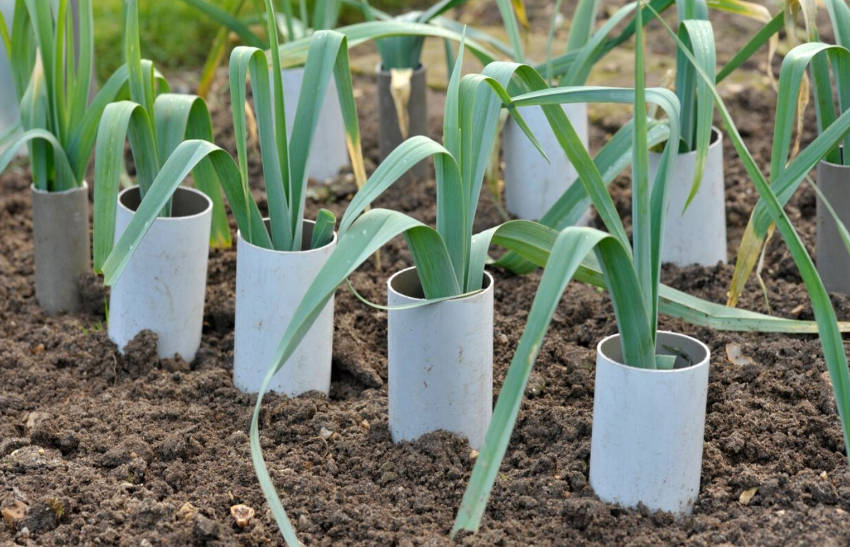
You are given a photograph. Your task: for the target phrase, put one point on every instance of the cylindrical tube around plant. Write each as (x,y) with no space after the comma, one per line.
(648,426)
(163,285)
(440,361)
(60,224)
(833,259)
(533,184)
(269,286)
(328,151)
(697,236)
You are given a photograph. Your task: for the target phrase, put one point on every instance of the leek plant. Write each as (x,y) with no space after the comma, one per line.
(155,124)
(818,58)
(323,16)
(571,244)
(285,163)
(51,61)
(449,260)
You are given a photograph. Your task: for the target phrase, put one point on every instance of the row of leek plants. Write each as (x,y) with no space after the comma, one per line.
(449,279)
(700,207)
(150,246)
(449,276)
(655,447)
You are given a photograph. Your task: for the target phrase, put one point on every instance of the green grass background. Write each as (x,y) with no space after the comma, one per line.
(175,36)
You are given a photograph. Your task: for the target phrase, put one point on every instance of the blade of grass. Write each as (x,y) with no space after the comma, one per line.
(582,24)
(509,19)
(643,245)
(697,105)
(323,231)
(839,14)
(295,53)
(328,55)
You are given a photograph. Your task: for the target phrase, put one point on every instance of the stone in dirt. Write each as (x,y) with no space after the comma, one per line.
(242,514)
(205,529)
(14,512)
(30,458)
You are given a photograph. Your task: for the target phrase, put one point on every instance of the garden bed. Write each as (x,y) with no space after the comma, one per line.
(128,449)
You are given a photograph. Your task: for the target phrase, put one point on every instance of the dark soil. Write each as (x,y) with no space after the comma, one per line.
(96,447)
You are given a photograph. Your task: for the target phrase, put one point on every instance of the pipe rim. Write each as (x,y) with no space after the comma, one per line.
(205,211)
(84,186)
(242,241)
(703,361)
(486,290)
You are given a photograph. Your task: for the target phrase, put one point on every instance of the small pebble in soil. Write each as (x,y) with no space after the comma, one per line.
(187,511)
(303,522)
(242,514)
(14,512)
(30,458)
(747,495)
(536,385)
(205,529)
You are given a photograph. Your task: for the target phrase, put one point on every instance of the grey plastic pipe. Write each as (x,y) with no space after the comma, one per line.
(697,236)
(329,153)
(533,184)
(269,286)
(648,426)
(60,225)
(440,361)
(833,260)
(163,285)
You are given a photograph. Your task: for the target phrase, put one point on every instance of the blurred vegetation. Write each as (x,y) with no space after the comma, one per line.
(176,37)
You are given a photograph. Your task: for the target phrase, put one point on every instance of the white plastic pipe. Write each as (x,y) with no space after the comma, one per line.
(648,426)
(699,235)
(440,362)
(269,286)
(162,287)
(328,152)
(533,184)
